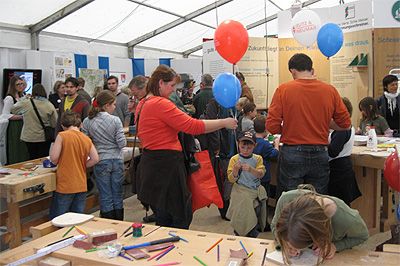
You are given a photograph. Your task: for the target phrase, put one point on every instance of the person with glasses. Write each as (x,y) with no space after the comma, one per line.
(16,149)
(14,94)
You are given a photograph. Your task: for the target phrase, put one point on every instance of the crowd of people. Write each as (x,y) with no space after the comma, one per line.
(240,142)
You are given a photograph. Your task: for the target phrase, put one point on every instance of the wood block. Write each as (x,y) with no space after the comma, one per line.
(102,236)
(52,261)
(392,248)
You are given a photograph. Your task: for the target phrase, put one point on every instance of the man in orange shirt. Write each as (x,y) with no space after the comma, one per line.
(302,111)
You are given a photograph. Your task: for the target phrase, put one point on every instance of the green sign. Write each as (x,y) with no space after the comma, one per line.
(396,11)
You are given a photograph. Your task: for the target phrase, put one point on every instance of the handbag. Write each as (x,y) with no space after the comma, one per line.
(130,169)
(49,132)
(203,185)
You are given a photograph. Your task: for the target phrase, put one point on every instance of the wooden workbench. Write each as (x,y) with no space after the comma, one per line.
(11,188)
(198,243)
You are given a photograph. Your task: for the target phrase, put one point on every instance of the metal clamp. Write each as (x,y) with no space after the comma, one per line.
(35,188)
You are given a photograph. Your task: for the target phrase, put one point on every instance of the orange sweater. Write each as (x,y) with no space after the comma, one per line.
(71,171)
(306,107)
(160,121)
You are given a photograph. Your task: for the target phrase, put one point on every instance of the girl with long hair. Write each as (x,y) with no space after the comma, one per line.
(304,219)
(371,117)
(107,135)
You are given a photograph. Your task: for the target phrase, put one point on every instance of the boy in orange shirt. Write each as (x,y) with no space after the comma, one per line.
(70,151)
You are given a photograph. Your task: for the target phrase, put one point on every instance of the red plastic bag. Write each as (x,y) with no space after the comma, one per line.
(202,184)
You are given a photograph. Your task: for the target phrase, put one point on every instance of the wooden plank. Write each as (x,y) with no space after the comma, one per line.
(92,202)
(13,224)
(25,228)
(42,229)
(28,209)
(369,203)
(392,248)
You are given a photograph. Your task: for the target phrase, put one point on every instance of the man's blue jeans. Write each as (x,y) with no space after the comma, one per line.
(303,164)
(109,175)
(62,203)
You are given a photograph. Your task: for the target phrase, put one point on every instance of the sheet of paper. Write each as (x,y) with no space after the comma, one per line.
(307,258)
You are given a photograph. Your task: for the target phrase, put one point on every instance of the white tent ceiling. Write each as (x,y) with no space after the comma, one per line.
(136,22)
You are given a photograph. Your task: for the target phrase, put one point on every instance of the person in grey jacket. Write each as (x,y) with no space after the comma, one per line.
(33,132)
(107,135)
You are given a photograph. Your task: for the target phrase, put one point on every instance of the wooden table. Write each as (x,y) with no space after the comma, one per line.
(11,188)
(198,243)
(367,166)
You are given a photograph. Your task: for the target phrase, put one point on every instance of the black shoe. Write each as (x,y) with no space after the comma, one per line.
(149,219)
(119,214)
(108,215)
(225,218)
(267,228)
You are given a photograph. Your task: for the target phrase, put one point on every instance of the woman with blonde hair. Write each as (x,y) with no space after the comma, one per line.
(304,219)
(58,93)
(107,135)
(161,178)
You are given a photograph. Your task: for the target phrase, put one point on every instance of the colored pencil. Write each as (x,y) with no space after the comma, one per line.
(196,258)
(210,248)
(152,231)
(127,229)
(100,248)
(158,254)
(265,253)
(128,234)
(167,264)
(69,230)
(251,253)
(80,230)
(179,237)
(218,253)
(168,250)
(125,257)
(247,253)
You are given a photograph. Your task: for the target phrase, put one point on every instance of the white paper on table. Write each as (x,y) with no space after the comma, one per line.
(307,257)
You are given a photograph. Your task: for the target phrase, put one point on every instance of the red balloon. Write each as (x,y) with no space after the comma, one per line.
(391,171)
(231,40)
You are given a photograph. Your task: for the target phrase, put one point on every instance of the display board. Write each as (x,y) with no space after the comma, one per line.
(386,42)
(213,63)
(354,82)
(63,66)
(93,78)
(253,66)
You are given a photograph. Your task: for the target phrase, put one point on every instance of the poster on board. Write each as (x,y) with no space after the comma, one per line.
(93,78)
(386,42)
(121,78)
(63,66)
(213,63)
(254,65)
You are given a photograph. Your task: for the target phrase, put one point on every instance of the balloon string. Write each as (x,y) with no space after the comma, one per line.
(234,131)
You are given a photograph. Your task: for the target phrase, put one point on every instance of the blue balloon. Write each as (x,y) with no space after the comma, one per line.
(330,39)
(227,90)
(398,211)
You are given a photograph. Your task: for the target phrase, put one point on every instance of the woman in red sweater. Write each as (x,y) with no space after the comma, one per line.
(161,179)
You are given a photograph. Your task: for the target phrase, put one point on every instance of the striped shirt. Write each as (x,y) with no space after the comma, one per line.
(107,135)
